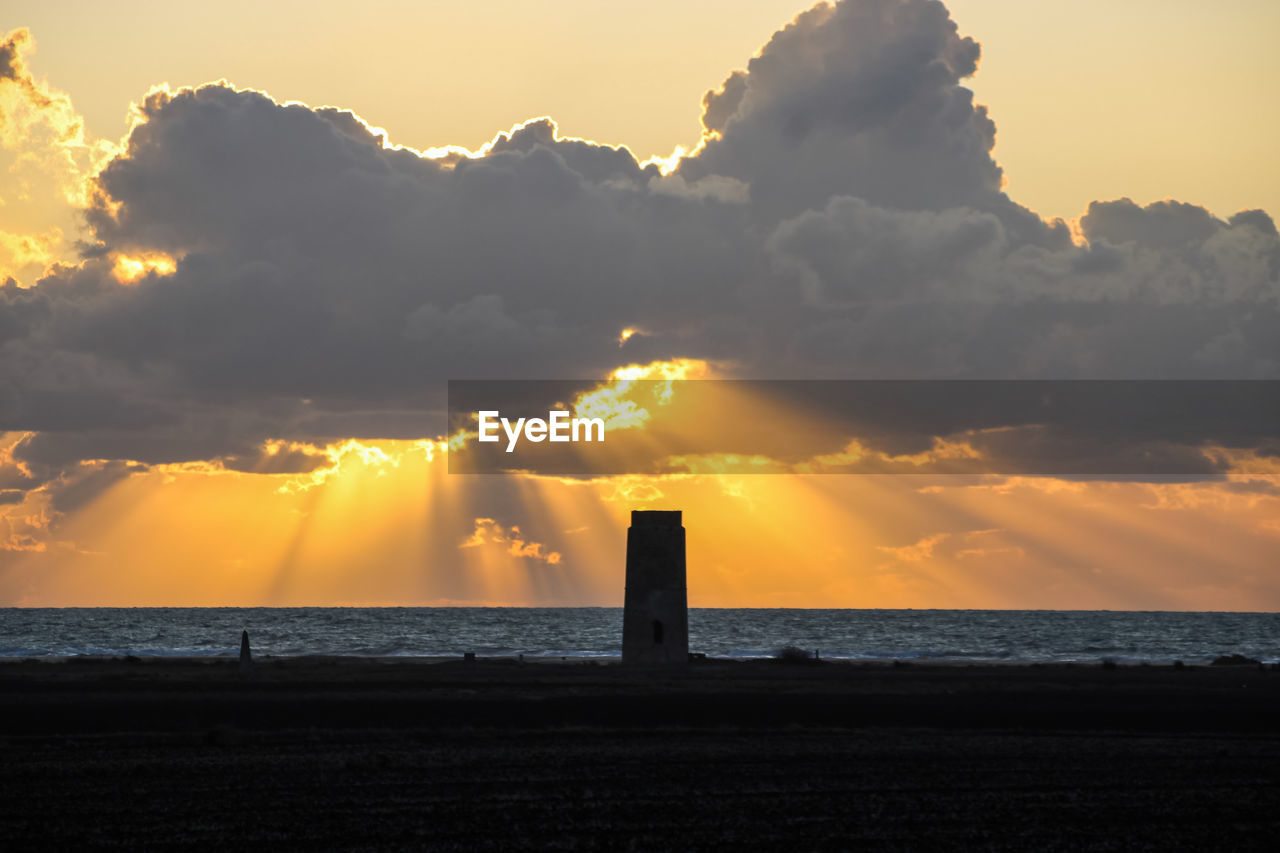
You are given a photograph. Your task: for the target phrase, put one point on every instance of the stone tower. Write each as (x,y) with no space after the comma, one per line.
(655,619)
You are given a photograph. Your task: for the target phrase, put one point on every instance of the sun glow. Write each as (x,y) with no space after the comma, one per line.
(129,269)
(384,522)
(623,401)
(370,457)
(668,164)
(676,368)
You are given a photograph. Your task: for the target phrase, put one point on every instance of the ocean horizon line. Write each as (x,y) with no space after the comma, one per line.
(619,607)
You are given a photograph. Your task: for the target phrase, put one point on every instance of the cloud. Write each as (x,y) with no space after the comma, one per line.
(853,252)
(26,250)
(917,552)
(80,487)
(45,158)
(18,81)
(512,542)
(21,534)
(843,218)
(861,99)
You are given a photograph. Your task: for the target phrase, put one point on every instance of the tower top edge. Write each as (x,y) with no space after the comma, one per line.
(656,517)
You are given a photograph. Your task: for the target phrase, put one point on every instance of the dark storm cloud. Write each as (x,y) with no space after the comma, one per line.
(1160,292)
(216,435)
(596,163)
(1122,429)
(319,263)
(1162,225)
(846,220)
(856,252)
(1258,219)
(285,460)
(81,486)
(862,99)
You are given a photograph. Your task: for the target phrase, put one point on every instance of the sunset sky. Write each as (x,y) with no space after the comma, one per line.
(229,309)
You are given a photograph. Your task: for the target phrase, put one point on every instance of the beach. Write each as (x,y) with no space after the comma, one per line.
(364,753)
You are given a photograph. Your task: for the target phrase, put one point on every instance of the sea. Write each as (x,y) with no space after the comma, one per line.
(1013,636)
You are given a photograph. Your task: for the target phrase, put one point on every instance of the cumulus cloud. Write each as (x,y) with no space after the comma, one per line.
(854,252)
(510,540)
(843,218)
(26,250)
(861,99)
(970,545)
(916,552)
(953,293)
(45,157)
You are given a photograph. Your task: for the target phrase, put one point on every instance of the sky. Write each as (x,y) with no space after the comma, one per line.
(245,246)
(1094,100)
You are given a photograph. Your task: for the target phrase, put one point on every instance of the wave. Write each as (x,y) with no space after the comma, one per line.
(585,633)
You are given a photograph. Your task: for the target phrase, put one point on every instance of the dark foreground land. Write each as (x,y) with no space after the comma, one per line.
(358,754)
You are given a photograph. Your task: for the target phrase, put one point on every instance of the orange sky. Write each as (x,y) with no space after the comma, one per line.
(386,524)
(374,537)
(1093,100)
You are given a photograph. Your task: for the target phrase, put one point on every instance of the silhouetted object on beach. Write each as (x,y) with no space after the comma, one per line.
(655,620)
(1234,660)
(246,657)
(795,654)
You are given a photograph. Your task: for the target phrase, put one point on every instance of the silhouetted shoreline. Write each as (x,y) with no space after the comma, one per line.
(495,754)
